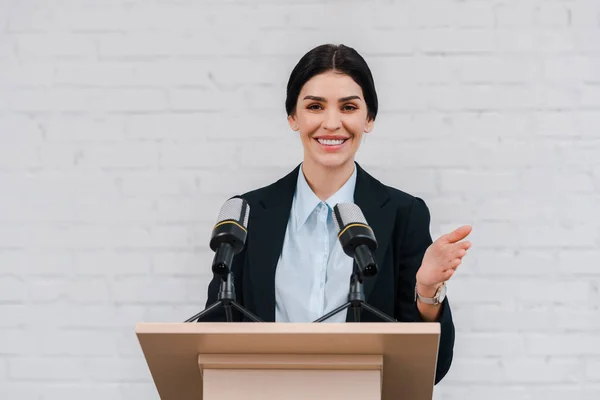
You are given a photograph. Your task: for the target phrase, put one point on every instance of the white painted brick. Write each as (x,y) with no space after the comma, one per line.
(55,44)
(477,390)
(18,157)
(571,68)
(140,391)
(546,370)
(196,155)
(485,69)
(307,16)
(592,370)
(20,390)
(166,290)
(572,261)
(452,14)
(152,44)
(85,100)
(205,100)
(12,289)
(525,291)
(511,262)
(67,129)
(455,41)
(183,263)
(26,74)
(29,18)
(515,40)
(492,126)
(282,151)
(585,13)
(590,96)
(8,47)
(472,14)
(117,369)
(19,129)
(577,320)
(189,127)
(3,369)
(567,344)
(393,15)
(13,315)
(584,40)
(125,155)
(496,318)
(477,182)
(556,40)
(489,344)
(515,14)
(552,15)
(28,264)
(558,392)
(82,389)
(55,368)
(476,370)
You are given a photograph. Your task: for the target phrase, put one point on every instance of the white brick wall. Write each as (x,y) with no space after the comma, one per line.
(125,124)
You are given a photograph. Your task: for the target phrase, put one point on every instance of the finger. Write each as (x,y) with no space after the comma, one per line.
(458,234)
(454,263)
(448,274)
(458,253)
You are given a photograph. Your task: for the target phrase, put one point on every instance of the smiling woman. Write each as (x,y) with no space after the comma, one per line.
(292,268)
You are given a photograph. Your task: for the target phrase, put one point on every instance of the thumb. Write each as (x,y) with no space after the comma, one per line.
(458,234)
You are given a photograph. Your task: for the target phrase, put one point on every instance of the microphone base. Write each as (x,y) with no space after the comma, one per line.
(356,300)
(226,299)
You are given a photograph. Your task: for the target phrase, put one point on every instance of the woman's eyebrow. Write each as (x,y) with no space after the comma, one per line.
(317,98)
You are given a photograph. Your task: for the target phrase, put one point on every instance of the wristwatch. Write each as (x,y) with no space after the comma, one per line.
(440,295)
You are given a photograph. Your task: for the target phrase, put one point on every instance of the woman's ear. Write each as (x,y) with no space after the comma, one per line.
(293,122)
(369,126)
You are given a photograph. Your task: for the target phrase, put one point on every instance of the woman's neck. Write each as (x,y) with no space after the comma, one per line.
(323,181)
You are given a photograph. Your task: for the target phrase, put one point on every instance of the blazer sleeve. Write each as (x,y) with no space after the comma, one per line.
(415,239)
(218,315)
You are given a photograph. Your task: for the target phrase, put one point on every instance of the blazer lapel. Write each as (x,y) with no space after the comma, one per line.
(372,198)
(269,222)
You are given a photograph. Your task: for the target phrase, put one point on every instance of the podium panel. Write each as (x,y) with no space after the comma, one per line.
(282,360)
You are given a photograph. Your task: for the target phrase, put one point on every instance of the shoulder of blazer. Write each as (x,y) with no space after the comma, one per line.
(272,193)
(400,198)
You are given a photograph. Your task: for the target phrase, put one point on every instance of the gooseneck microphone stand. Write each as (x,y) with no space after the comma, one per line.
(226,298)
(356,300)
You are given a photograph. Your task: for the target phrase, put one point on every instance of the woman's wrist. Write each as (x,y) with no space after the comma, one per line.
(428,290)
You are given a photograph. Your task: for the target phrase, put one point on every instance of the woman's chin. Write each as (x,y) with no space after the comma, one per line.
(332,161)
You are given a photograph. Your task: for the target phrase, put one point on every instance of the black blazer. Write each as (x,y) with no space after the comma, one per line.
(401,225)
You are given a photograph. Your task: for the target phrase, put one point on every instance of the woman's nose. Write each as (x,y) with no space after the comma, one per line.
(332,120)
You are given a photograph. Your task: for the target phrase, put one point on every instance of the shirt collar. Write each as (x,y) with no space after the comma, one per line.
(306,201)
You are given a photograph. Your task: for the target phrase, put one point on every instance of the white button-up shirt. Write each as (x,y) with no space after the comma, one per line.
(313,272)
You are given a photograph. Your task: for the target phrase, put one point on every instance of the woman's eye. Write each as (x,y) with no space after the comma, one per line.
(347,107)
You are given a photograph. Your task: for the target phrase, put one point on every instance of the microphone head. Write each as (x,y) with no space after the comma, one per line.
(356,237)
(235,209)
(347,213)
(232,224)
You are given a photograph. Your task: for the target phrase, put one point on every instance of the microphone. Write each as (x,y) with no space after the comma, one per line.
(229,234)
(356,237)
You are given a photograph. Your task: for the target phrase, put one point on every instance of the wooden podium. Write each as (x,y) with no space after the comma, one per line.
(290,361)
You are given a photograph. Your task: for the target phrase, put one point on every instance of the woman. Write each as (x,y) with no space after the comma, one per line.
(292,268)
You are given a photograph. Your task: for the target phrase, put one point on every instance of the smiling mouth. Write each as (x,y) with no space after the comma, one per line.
(331,142)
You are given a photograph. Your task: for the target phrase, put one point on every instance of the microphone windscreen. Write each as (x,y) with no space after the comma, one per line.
(347,213)
(236,209)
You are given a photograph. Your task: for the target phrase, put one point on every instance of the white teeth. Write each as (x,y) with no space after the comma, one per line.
(331,142)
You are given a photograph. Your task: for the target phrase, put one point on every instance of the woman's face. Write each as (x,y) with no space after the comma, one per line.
(331,116)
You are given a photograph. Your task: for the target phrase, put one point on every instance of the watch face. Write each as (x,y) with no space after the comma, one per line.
(441,295)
